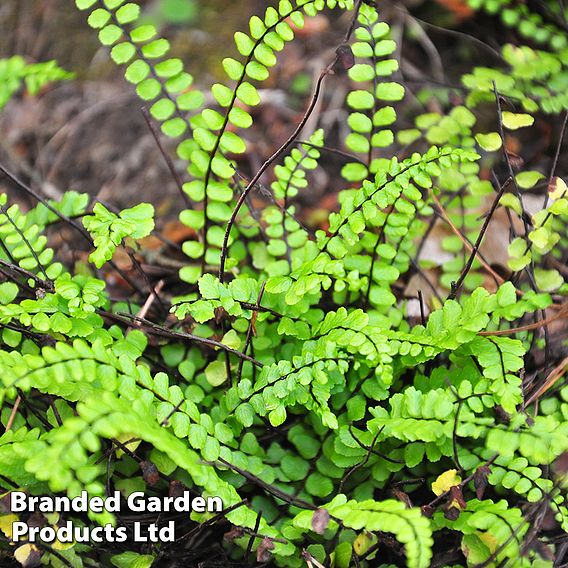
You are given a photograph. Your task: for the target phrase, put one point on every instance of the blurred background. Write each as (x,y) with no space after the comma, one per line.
(89,134)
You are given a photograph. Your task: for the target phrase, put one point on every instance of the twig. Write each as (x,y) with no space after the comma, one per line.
(18,182)
(310,560)
(563,311)
(362,463)
(149,301)
(146,278)
(353,21)
(13,413)
(274,491)
(550,381)
(265,192)
(252,536)
(176,177)
(267,163)
(156,329)
(253,307)
(485,226)
(39,281)
(421,303)
(467,244)
(330,150)
(454,33)
(507,158)
(370,449)
(556,158)
(250,331)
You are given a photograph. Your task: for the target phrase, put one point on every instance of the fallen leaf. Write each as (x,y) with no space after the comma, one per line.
(459,8)
(263,550)
(6,524)
(320,520)
(150,472)
(28,556)
(480,480)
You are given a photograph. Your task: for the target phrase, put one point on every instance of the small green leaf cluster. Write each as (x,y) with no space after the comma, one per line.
(548,225)
(541,28)
(109,229)
(24,244)
(535,77)
(16,73)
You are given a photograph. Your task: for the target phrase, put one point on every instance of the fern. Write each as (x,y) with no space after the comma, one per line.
(369,114)
(24,245)
(108,229)
(531,25)
(409,526)
(158,78)
(290,380)
(209,165)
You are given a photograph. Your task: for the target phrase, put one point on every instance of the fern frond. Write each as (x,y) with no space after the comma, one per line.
(158,78)
(370,115)
(23,244)
(409,526)
(210,165)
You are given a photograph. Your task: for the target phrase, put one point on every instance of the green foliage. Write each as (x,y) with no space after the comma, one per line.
(160,80)
(16,73)
(109,229)
(210,164)
(542,28)
(24,244)
(295,384)
(177,11)
(537,78)
(371,117)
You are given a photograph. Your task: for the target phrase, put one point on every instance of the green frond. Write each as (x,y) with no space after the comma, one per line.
(409,526)
(371,101)
(15,73)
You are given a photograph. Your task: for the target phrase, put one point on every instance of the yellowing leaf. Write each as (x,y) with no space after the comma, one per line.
(123,438)
(489,540)
(6,524)
(58,545)
(445,481)
(474,549)
(362,543)
(557,188)
(513,121)
(27,555)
